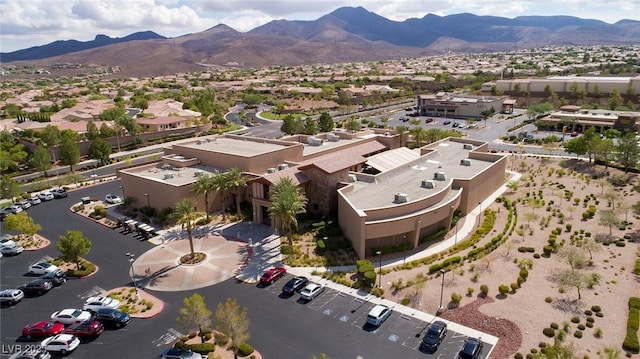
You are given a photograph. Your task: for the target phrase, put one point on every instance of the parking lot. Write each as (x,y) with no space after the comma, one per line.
(400,330)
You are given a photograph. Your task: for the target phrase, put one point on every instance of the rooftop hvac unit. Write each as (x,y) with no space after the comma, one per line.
(401,197)
(198,142)
(282,166)
(467,146)
(428,184)
(197,173)
(332,137)
(352,178)
(465,162)
(166,167)
(271,170)
(168,175)
(208,140)
(440,176)
(314,141)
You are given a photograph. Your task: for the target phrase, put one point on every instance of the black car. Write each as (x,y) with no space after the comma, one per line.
(57,278)
(295,285)
(36,287)
(112,317)
(434,336)
(471,349)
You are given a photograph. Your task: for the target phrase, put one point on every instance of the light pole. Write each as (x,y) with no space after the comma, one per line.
(404,250)
(133,273)
(480,214)
(326,242)
(379,253)
(440,307)
(148,201)
(123,196)
(455,241)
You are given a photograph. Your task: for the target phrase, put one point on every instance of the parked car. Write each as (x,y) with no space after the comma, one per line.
(471,349)
(93,304)
(61,343)
(272,275)
(70,316)
(11,296)
(15,208)
(175,353)
(34,200)
(45,196)
(434,336)
(24,204)
(7,241)
(112,317)
(5,212)
(446,122)
(311,291)
(41,330)
(295,285)
(57,278)
(378,314)
(455,124)
(13,250)
(112,198)
(574,134)
(36,287)
(41,268)
(59,193)
(428,120)
(85,330)
(32,353)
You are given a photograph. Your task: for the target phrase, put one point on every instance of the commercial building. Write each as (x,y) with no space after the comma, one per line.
(444,104)
(573,118)
(412,192)
(568,84)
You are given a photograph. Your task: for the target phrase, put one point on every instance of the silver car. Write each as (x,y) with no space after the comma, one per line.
(11,250)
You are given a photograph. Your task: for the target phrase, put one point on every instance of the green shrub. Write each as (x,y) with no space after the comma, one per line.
(577,334)
(596,309)
(514,287)
(405,301)
(245,349)
(589,324)
(517,356)
(548,299)
(221,339)
(554,325)
(547,250)
(503,289)
(636,267)
(549,332)
(630,342)
(435,268)
(575,320)
(484,289)
(581,326)
(524,273)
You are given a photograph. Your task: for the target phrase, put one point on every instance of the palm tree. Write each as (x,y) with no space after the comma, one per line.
(418,134)
(186,215)
(219,184)
(287,201)
(236,180)
(401,130)
(204,185)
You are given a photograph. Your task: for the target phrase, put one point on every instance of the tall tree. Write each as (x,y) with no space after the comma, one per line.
(73,245)
(100,150)
(236,180)
(628,151)
(204,185)
(69,153)
(220,185)
(401,130)
(194,314)
(576,145)
(325,122)
(290,125)
(418,134)
(309,126)
(9,188)
(609,218)
(287,201)
(50,135)
(233,321)
(92,131)
(22,223)
(41,160)
(186,215)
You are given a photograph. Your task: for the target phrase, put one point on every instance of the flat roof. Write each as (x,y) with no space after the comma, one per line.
(174,176)
(407,178)
(244,147)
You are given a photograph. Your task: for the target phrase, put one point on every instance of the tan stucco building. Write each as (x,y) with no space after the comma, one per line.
(411,193)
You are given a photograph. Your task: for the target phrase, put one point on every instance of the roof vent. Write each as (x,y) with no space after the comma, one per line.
(332,137)
(465,162)
(440,176)
(168,175)
(197,173)
(271,170)
(352,178)
(314,141)
(282,166)
(198,142)
(401,198)
(428,184)
(467,146)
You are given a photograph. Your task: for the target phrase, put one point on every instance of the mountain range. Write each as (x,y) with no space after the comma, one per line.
(347,34)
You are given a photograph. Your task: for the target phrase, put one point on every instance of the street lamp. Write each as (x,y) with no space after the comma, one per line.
(326,242)
(440,307)
(379,253)
(404,250)
(455,241)
(133,273)
(480,215)
(148,201)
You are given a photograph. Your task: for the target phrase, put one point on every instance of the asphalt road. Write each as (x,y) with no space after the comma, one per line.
(280,326)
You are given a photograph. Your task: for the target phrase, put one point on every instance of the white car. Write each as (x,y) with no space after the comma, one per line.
(378,314)
(45,196)
(32,353)
(311,291)
(6,241)
(25,204)
(11,250)
(112,198)
(93,304)
(70,316)
(61,343)
(11,296)
(41,268)
(15,208)
(34,200)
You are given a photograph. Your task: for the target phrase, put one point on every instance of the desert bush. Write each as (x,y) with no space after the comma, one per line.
(245,349)
(548,299)
(484,289)
(549,332)
(630,342)
(503,289)
(575,320)
(221,339)
(577,334)
(554,325)
(514,287)
(456,298)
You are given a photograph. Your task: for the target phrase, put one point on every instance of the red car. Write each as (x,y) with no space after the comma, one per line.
(85,330)
(272,275)
(41,330)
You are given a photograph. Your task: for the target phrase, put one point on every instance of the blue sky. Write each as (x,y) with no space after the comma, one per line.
(27,23)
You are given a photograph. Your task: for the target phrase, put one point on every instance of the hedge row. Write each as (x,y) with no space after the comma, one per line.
(636,268)
(631,340)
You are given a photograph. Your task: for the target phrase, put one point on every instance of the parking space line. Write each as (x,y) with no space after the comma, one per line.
(167,338)
(91,292)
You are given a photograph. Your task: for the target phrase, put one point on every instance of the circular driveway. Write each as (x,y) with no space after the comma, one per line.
(159,268)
